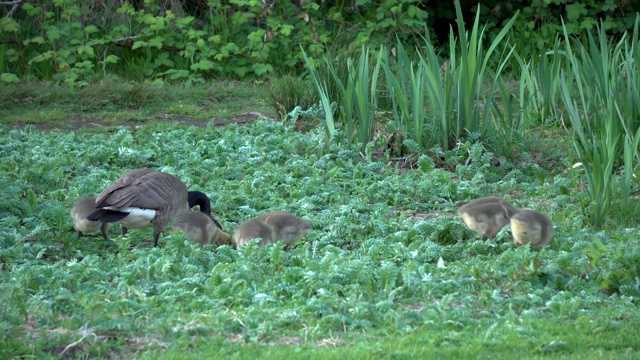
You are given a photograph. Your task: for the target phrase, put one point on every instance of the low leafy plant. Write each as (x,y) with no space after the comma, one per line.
(386,257)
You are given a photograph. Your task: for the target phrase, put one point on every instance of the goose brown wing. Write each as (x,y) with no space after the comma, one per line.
(122,182)
(142,188)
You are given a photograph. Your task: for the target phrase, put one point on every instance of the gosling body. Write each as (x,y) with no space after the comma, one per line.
(531,227)
(201,228)
(254,229)
(482,201)
(271,227)
(83,208)
(289,228)
(487,216)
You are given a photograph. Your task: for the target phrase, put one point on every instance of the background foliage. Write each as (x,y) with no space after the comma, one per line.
(195,40)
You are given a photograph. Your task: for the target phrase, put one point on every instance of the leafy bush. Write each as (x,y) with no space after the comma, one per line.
(192,41)
(78,42)
(540,24)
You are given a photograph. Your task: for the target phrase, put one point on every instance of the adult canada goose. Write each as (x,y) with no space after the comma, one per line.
(83,208)
(201,228)
(144,197)
(487,216)
(529,226)
(271,227)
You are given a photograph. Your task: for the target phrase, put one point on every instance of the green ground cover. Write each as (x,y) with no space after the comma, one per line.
(388,271)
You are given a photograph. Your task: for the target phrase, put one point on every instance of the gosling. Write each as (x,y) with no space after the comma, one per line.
(254,229)
(81,224)
(201,228)
(482,201)
(487,216)
(531,227)
(271,227)
(289,228)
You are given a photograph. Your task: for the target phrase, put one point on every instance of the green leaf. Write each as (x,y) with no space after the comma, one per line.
(286,29)
(9,78)
(176,74)
(53,34)
(9,25)
(426,164)
(256,36)
(91,29)
(574,11)
(31,10)
(12,55)
(202,65)
(42,57)
(35,40)
(240,70)
(261,69)
(159,24)
(112,59)
(86,50)
(157,42)
(138,44)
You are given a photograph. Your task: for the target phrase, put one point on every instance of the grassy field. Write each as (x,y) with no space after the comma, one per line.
(388,271)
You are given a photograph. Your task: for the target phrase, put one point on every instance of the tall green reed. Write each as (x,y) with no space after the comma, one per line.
(325,101)
(469,65)
(440,101)
(408,82)
(539,85)
(356,94)
(434,101)
(599,91)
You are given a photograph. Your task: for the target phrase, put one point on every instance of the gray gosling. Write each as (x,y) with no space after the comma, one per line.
(254,229)
(482,201)
(81,224)
(529,226)
(271,227)
(201,228)
(487,216)
(289,228)
(145,197)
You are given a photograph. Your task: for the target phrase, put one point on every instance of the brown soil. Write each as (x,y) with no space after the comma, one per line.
(73,123)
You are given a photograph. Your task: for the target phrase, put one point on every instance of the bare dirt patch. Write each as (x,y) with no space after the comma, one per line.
(87,122)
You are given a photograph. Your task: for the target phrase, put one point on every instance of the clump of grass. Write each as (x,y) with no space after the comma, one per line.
(284,92)
(602,104)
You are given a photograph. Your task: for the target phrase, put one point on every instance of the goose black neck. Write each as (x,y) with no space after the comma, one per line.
(200,199)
